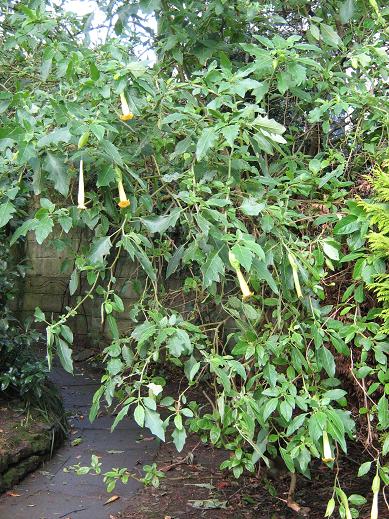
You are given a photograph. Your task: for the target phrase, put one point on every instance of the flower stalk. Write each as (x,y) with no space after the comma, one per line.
(127,115)
(81,187)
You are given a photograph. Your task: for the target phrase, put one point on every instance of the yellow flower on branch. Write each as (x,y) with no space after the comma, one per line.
(81,187)
(127,115)
(245,289)
(327,454)
(123,200)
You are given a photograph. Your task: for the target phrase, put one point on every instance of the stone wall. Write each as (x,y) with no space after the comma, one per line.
(47,286)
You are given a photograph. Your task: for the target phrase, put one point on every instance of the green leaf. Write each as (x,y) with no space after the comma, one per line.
(119,417)
(99,249)
(212,269)
(111,151)
(106,176)
(145,263)
(331,248)
(154,423)
(346,11)
(243,255)
(94,71)
(73,283)
(179,438)
(112,323)
(6,211)
(270,407)
(54,137)
(326,360)
(251,207)
(43,228)
(364,468)
(65,355)
(139,415)
(174,261)
(161,224)
(57,173)
(179,344)
(330,36)
(230,133)
(206,141)
(383,412)
(148,6)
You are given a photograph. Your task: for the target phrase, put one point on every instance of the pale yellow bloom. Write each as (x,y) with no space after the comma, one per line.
(327,454)
(127,115)
(81,188)
(246,292)
(376,489)
(296,280)
(123,200)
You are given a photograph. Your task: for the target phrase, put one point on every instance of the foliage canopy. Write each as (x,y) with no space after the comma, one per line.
(240,152)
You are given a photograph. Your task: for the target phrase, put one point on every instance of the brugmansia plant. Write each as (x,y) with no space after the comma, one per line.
(226,174)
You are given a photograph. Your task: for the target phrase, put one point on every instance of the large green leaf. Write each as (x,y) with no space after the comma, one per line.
(100,249)
(161,224)
(206,141)
(57,173)
(212,269)
(6,211)
(54,137)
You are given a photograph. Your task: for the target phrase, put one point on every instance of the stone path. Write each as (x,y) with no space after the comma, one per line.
(51,493)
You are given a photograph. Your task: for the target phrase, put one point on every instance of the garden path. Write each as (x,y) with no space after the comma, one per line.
(51,492)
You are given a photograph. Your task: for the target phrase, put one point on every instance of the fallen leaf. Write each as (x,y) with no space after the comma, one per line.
(223,484)
(112,499)
(115,452)
(76,442)
(207,504)
(12,494)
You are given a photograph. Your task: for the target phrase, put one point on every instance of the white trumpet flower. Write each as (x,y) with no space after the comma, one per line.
(81,188)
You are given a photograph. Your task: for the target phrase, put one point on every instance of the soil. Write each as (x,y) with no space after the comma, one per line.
(193,482)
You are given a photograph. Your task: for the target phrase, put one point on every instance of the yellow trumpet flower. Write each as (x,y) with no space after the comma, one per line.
(327,454)
(123,200)
(81,188)
(246,292)
(127,115)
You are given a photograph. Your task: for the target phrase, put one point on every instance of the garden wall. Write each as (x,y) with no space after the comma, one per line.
(47,285)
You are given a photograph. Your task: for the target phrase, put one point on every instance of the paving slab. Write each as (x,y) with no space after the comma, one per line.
(54,493)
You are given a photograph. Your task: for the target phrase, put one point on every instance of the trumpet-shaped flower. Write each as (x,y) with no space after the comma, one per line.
(327,454)
(123,200)
(81,187)
(296,280)
(127,115)
(246,292)
(376,488)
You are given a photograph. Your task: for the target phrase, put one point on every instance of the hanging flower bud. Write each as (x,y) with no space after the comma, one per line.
(376,488)
(246,292)
(81,189)
(327,454)
(296,280)
(127,115)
